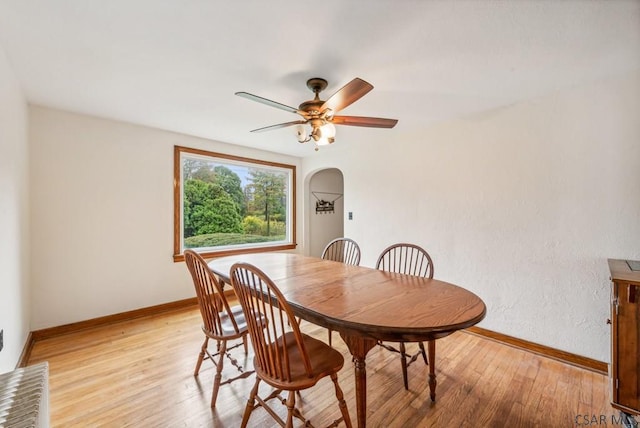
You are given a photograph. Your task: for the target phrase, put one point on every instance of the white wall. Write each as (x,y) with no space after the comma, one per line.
(102,223)
(322,228)
(521,205)
(14,218)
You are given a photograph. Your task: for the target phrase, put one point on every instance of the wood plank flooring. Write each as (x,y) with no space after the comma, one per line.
(139,373)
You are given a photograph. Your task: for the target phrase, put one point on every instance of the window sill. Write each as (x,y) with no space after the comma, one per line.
(222,253)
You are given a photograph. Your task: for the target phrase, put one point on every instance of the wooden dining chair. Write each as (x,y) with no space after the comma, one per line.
(343,250)
(285,358)
(220,322)
(408,259)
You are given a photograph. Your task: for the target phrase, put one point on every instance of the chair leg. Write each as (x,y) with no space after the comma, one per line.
(291,405)
(218,377)
(330,331)
(424,355)
(403,360)
(250,403)
(201,356)
(341,403)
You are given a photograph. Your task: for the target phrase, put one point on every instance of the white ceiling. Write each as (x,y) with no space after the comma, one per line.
(176,64)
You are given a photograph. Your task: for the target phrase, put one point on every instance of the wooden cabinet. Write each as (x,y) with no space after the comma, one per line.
(625,335)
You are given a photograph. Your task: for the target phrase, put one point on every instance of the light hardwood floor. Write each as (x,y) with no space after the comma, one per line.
(139,373)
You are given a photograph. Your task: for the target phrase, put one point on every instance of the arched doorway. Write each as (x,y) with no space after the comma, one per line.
(325,207)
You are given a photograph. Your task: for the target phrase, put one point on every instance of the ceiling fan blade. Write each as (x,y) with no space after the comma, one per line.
(372,122)
(347,95)
(280,125)
(268,102)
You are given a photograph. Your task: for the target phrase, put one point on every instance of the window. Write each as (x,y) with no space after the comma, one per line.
(228,204)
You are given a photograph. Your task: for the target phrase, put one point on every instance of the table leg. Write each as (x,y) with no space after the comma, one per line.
(359,346)
(431,351)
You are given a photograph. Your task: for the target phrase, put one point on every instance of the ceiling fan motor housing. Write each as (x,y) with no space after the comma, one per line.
(312,107)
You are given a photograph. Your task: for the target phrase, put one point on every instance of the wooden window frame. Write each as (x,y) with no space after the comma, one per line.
(178,255)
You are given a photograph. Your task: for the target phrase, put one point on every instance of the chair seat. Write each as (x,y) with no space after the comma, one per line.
(227,324)
(324,361)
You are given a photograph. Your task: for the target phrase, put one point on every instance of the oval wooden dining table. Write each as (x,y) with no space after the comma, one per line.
(365,305)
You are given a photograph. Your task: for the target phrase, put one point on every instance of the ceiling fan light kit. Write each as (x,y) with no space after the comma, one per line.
(320,115)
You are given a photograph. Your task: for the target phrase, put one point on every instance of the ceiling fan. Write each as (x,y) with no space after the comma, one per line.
(321,115)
